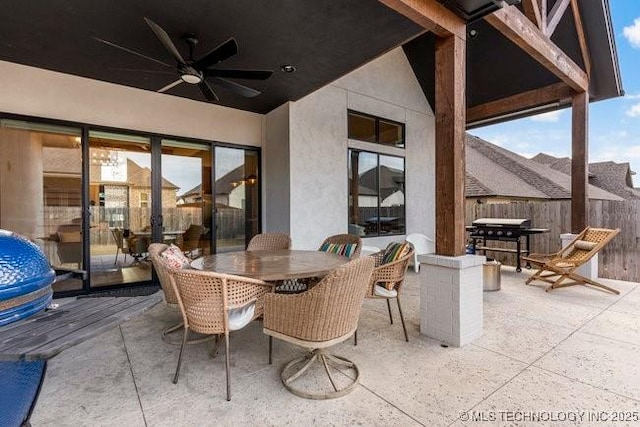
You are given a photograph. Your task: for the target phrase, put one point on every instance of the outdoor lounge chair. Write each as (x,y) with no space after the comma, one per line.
(421,245)
(558,267)
(269,241)
(215,304)
(319,318)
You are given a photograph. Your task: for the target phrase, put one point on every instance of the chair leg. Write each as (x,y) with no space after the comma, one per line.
(270,348)
(406,337)
(355,337)
(116,260)
(389,307)
(184,341)
(228,365)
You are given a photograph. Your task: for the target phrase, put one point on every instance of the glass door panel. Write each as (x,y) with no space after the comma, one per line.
(187,196)
(41,190)
(120,208)
(236,198)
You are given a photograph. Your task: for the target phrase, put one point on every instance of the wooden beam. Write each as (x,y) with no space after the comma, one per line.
(532,11)
(584,49)
(543,15)
(534,98)
(579,162)
(555,16)
(516,27)
(450,73)
(431,15)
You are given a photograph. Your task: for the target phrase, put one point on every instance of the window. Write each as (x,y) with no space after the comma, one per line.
(144,200)
(368,128)
(376,194)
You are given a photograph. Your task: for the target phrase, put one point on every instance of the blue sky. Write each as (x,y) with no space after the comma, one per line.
(614,125)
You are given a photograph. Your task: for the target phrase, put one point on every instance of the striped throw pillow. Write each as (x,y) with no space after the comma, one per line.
(333,248)
(394,252)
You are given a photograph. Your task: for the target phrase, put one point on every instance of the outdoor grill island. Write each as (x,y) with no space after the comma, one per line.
(483,230)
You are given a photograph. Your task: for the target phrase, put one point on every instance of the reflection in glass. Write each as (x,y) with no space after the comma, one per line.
(120,207)
(362,127)
(376,194)
(391,134)
(40,190)
(236,198)
(186,210)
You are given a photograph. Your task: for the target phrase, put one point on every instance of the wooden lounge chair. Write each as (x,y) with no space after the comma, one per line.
(561,266)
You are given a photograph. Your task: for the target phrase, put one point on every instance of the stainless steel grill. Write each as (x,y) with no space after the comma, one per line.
(506,230)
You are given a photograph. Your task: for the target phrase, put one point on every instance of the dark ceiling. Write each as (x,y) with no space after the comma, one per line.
(323,39)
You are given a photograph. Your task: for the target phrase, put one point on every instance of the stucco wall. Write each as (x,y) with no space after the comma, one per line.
(276,174)
(42,93)
(318,145)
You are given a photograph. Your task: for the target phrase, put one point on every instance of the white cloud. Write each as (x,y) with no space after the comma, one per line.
(634,111)
(551,116)
(632,33)
(634,96)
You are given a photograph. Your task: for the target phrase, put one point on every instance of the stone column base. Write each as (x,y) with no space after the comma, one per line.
(451,298)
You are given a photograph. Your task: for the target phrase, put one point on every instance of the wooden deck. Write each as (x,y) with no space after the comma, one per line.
(48,333)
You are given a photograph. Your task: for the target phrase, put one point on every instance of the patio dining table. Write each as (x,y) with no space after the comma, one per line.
(272,265)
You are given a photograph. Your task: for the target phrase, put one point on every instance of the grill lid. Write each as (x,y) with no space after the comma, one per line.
(502,222)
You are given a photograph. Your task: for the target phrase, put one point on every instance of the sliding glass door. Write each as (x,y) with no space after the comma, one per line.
(120,201)
(187,196)
(41,190)
(236,198)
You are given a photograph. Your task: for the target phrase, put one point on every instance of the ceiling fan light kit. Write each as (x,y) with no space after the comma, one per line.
(200,71)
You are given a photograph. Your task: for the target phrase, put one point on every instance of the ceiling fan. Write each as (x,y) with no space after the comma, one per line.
(198,71)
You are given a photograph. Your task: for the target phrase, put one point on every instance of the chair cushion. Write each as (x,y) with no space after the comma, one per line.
(241,317)
(584,245)
(395,251)
(346,249)
(384,292)
(174,258)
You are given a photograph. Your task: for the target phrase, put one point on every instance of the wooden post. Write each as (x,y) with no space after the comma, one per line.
(450,134)
(579,161)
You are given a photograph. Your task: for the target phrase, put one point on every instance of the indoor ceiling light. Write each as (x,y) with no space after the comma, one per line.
(288,68)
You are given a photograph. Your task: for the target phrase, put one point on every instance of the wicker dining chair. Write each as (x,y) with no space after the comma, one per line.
(269,241)
(390,274)
(215,304)
(164,277)
(345,239)
(319,318)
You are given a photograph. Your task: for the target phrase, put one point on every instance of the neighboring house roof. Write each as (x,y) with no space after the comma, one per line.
(195,191)
(610,176)
(391,180)
(56,160)
(495,171)
(138,176)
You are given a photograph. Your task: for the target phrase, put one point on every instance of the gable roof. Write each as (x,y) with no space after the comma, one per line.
(610,176)
(495,171)
(138,176)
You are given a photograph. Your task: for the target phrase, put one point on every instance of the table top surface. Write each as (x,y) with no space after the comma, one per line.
(164,233)
(272,265)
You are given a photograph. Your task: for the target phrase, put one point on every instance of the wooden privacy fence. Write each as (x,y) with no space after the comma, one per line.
(618,260)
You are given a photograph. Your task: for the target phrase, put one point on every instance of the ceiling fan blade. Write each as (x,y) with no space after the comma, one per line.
(165,39)
(142,70)
(239,74)
(217,54)
(208,92)
(234,87)
(170,85)
(108,43)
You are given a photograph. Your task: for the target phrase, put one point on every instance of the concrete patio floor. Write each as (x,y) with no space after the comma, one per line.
(572,353)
